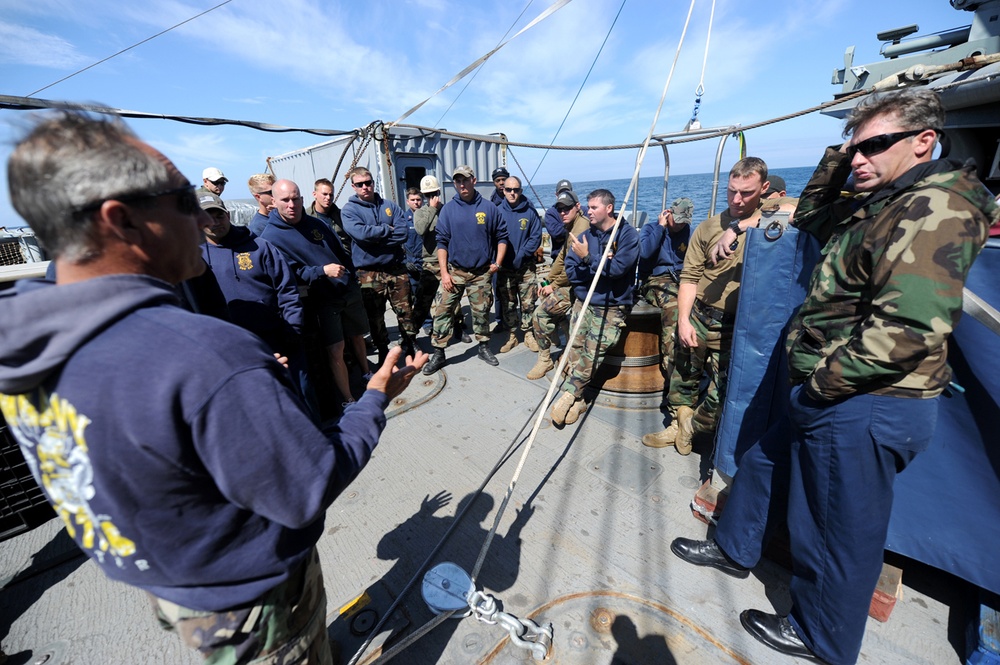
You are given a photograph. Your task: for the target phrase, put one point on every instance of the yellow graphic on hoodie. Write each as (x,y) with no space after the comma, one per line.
(51,437)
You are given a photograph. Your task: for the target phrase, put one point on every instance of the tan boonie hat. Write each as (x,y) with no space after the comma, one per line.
(683,209)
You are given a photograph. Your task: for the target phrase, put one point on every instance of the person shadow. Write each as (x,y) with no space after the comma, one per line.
(50,565)
(633,650)
(410,544)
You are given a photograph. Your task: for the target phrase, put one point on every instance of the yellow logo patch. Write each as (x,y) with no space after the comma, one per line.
(524,223)
(244,261)
(388,211)
(480,217)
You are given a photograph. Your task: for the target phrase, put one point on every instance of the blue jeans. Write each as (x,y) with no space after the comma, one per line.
(829,468)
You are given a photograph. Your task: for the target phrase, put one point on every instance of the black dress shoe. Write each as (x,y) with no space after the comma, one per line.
(776,632)
(466,338)
(486,355)
(707,553)
(435,363)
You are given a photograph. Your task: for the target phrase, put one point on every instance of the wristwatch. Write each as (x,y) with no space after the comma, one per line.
(734,226)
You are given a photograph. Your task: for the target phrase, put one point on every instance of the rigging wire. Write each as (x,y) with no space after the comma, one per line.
(694,123)
(114,55)
(578,92)
(480,68)
(553,8)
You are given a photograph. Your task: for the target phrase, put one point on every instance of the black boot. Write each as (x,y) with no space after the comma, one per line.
(486,355)
(435,363)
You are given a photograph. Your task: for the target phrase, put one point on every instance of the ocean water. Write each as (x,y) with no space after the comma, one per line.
(697,187)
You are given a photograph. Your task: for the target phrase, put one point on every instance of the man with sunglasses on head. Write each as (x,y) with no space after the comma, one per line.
(378,229)
(171,444)
(516,284)
(471,244)
(260,189)
(867,358)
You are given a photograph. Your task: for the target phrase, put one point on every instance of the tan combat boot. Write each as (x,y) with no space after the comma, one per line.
(561,407)
(575,411)
(542,365)
(529,341)
(661,439)
(510,343)
(685,430)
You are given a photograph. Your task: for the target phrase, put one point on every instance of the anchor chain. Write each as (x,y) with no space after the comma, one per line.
(524,633)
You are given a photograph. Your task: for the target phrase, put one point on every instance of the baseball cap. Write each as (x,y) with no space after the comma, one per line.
(213,174)
(429,184)
(777,184)
(563,185)
(566,199)
(683,209)
(465,171)
(209,200)
(498,172)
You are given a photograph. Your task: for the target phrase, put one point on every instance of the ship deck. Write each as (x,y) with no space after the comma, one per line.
(583,545)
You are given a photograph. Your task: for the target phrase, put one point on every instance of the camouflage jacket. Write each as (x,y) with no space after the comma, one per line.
(887,291)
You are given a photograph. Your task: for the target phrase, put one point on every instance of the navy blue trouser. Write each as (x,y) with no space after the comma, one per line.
(830,468)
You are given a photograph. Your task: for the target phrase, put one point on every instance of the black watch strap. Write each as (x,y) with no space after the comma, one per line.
(735,227)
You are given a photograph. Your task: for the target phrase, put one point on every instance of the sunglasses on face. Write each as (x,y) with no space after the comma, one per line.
(880,143)
(516,190)
(563,211)
(363,183)
(187,201)
(267,193)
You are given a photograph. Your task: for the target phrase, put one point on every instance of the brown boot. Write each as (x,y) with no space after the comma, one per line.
(542,365)
(685,429)
(575,411)
(510,343)
(529,341)
(661,439)
(561,408)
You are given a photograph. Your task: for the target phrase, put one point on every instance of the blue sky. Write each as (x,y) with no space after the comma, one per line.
(337,65)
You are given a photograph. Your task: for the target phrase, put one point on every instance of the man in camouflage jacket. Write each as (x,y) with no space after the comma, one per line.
(867,356)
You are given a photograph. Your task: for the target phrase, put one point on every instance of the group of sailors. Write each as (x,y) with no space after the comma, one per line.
(151,473)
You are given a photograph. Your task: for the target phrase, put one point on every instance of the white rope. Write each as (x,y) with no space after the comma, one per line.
(556,379)
(556,6)
(704,62)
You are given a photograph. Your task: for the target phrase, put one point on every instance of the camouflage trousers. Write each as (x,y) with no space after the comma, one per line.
(600,330)
(661,292)
(379,287)
(287,626)
(478,288)
(550,312)
(710,358)
(517,288)
(430,282)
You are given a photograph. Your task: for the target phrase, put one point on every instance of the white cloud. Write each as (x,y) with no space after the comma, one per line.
(23,45)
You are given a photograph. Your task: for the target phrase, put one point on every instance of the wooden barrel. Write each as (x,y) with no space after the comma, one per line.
(633,364)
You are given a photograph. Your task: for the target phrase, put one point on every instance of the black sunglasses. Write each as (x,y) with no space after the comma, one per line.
(363,183)
(516,190)
(563,209)
(267,193)
(187,202)
(880,143)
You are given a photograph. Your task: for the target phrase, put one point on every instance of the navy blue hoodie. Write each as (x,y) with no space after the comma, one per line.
(378,230)
(470,232)
(524,232)
(171,443)
(617,280)
(661,252)
(259,287)
(308,246)
(557,230)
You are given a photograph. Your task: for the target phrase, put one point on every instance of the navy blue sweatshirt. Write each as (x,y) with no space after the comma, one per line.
(378,230)
(308,246)
(661,252)
(257,224)
(259,287)
(470,232)
(557,230)
(524,232)
(172,444)
(617,280)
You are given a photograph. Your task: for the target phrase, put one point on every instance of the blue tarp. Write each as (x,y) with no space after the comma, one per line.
(947,507)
